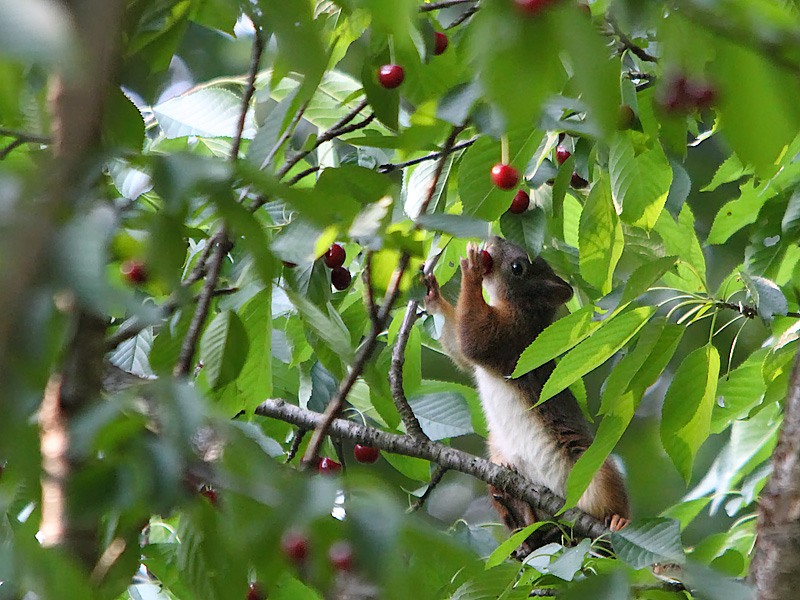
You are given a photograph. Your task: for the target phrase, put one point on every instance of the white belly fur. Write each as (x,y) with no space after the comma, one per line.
(517,436)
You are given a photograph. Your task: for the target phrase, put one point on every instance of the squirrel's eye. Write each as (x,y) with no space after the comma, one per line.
(517,268)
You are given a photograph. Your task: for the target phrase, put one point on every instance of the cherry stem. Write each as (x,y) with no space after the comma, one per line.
(391,51)
(504,150)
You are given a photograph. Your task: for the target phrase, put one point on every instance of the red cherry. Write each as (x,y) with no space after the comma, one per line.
(487,261)
(334,257)
(133,271)
(390,76)
(505,177)
(440,43)
(520,203)
(294,546)
(340,278)
(329,466)
(341,555)
(254,591)
(578,182)
(366,454)
(562,154)
(531,7)
(703,96)
(210,493)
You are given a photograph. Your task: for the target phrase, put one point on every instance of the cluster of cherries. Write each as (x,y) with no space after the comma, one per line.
(683,95)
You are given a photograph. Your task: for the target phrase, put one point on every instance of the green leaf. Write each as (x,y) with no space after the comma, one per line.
(595,350)
(223,349)
(767,295)
(207,112)
(459,226)
(611,428)
(745,79)
(640,181)
(385,103)
(649,541)
(613,586)
(293,589)
(739,392)
(526,230)
(479,195)
(255,381)
(502,552)
(601,237)
(123,126)
(729,171)
(681,240)
(686,415)
(413,468)
(442,415)
(737,213)
(645,276)
(556,339)
(328,327)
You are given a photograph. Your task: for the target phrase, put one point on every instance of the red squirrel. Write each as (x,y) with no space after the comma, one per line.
(541,442)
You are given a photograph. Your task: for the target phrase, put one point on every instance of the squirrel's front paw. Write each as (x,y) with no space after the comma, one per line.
(472,267)
(433,296)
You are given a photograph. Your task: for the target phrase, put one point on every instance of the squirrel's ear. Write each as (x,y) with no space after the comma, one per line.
(559,290)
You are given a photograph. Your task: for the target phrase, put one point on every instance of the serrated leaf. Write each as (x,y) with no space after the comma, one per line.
(686,415)
(767,295)
(715,586)
(442,415)
(418,187)
(131,355)
(646,275)
(207,112)
(556,339)
(571,560)
(790,224)
(681,240)
(737,213)
(730,170)
(649,541)
(255,380)
(223,349)
(601,237)
(332,331)
(595,350)
(640,181)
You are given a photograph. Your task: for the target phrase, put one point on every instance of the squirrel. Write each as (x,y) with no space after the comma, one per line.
(541,442)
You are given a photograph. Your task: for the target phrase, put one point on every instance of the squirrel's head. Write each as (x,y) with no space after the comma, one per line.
(514,277)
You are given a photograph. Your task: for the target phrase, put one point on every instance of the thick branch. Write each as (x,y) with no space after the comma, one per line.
(777,553)
(449,458)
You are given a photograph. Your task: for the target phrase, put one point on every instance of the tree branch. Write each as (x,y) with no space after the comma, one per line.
(500,477)
(25,138)
(777,552)
(258,50)
(436,479)
(390,167)
(627,43)
(413,428)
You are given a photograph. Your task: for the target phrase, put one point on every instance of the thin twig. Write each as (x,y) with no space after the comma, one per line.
(466,15)
(297,439)
(443,4)
(369,290)
(25,138)
(436,479)
(365,351)
(390,167)
(413,428)
(302,174)
(184,364)
(130,329)
(258,50)
(285,135)
(10,148)
(496,475)
(627,43)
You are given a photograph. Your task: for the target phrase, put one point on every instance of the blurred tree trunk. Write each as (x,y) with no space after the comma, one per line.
(775,569)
